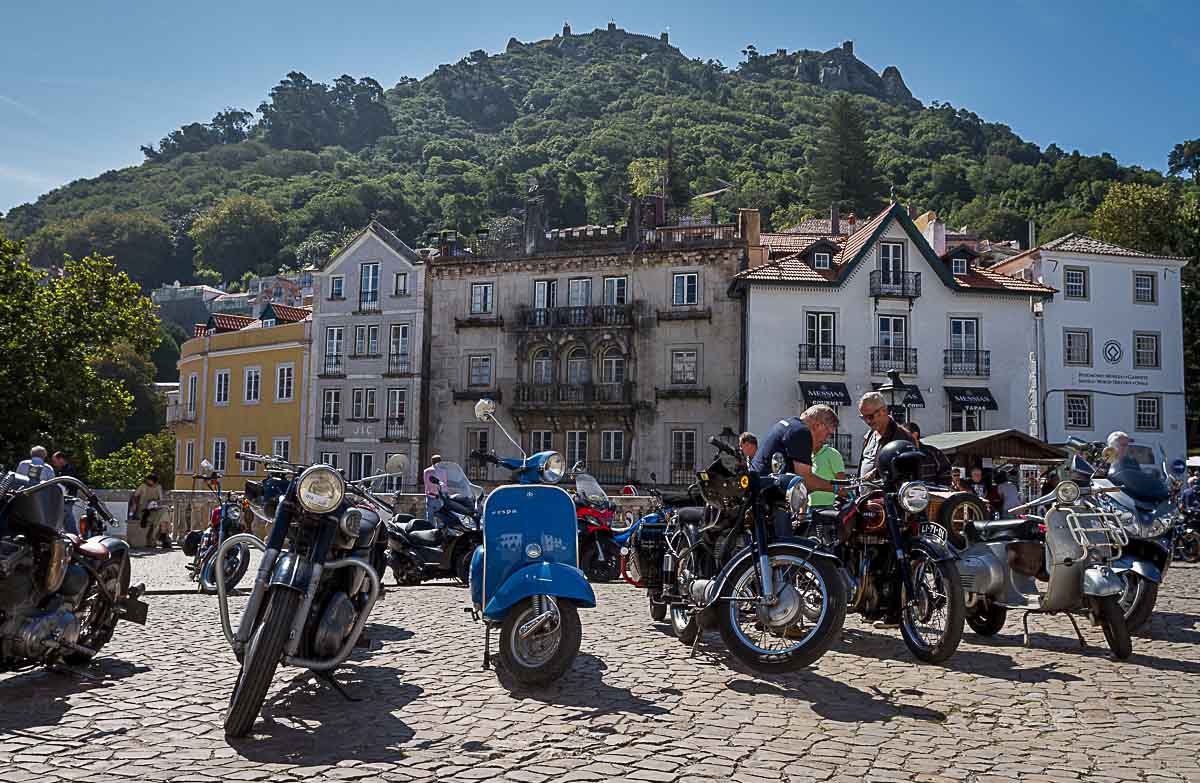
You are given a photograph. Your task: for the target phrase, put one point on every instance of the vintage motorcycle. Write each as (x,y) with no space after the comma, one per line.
(901,569)
(1073,549)
(1187,536)
(224,521)
(599,554)
(525,578)
(778,605)
(315,586)
(420,549)
(652,527)
(61,596)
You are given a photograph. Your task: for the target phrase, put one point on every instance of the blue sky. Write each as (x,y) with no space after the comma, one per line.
(82,85)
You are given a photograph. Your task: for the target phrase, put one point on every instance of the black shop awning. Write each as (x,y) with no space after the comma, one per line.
(971,398)
(827,392)
(912,396)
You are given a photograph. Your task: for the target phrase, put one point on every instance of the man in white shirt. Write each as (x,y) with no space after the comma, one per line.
(36,467)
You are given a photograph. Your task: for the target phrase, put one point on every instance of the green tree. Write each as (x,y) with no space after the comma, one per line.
(140,242)
(843,168)
(166,355)
(125,468)
(1185,157)
(1140,217)
(135,373)
(240,233)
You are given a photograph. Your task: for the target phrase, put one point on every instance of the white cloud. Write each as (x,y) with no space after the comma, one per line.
(23,108)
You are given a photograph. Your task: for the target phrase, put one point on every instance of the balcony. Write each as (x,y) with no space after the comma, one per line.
(682,392)
(822,358)
(333,367)
(612,473)
(906,285)
(685,313)
(331,427)
(368,302)
(583,317)
(966,364)
(471,395)
(885,358)
(682,474)
(478,321)
(395,429)
(178,413)
(536,396)
(399,364)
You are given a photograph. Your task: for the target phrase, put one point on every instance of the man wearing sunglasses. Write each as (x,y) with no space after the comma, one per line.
(872,407)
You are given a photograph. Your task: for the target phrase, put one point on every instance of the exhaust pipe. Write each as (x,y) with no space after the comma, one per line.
(702,591)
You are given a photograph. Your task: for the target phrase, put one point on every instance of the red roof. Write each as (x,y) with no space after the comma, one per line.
(796,243)
(199,330)
(286,314)
(228,322)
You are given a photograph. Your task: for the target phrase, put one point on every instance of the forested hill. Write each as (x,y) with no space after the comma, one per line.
(590,115)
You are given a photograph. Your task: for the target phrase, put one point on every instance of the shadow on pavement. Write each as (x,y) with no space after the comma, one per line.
(837,701)
(1171,627)
(140,553)
(583,686)
(41,697)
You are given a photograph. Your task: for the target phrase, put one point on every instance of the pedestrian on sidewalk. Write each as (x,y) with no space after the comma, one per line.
(145,513)
(432,499)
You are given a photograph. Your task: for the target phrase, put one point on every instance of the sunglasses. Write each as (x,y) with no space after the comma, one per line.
(871,415)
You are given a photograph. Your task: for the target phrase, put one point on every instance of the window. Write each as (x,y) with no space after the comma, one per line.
(366,340)
(612,367)
(477,440)
(1145,290)
(373,340)
(400,284)
(285,377)
(337,287)
(965,419)
(1145,350)
(398,340)
(683,456)
(357,398)
(964,334)
(577,367)
(685,367)
(397,405)
(820,260)
(542,368)
(686,288)
(892,330)
(189,457)
(282,448)
(220,449)
(541,440)
(331,409)
(481,298)
(1147,414)
(368,282)
(222,388)
(250,446)
(191,393)
(253,385)
(891,262)
(480,371)
(612,446)
(1075,282)
(545,294)
(615,290)
(362,464)
(576,447)
(821,329)
(579,292)
(1079,411)
(1077,347)
(268,322)
(958,266)
(329,458)
(333,341)
(370,412)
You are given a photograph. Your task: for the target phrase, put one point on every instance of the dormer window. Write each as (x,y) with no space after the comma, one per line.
(820,260)
(958,266)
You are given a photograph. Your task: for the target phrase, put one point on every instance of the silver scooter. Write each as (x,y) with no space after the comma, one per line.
(1071,549)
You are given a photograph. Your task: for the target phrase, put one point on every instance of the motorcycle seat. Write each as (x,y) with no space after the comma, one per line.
(90,549)
(826,516)
(433,537)
(998,530)
(691,515)
(411,526)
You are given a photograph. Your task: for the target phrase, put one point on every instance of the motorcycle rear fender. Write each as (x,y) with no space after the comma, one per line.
(477,579)
(554,579)
(115,546)
(1140,566)
(935,550)
(1099,582)
(805,548)
(291,571)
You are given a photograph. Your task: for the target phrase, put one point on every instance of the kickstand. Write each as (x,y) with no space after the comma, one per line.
(487,647)
(696,641)
(328,679)
(1075,625)
(1025,628)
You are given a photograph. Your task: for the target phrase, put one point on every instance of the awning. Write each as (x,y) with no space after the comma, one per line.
(912,396)
(827,392)
(971,398)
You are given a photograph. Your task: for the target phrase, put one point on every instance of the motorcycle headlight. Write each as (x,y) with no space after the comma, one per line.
(797,496)
(1066,493)
(468,522)
(321,489)
(1149,524)
(233,513)
(554,468)
(914,497)
(778,463)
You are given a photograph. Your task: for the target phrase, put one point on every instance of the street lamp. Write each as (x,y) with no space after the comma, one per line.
(895,391)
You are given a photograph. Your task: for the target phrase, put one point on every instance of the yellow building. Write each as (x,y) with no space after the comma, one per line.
(242,387)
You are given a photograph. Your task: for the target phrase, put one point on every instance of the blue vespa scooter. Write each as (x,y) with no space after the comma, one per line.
(525,578)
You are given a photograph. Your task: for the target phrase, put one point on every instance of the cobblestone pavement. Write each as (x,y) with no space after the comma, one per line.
(635,706)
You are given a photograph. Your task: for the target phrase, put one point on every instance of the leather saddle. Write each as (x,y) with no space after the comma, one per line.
(89,548)
(419,531)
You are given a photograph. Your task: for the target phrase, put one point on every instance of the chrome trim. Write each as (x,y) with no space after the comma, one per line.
(238,640)
(359,624)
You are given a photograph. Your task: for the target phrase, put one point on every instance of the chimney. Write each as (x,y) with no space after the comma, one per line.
(1032,233)
(935,234)
(848,47)
(834,220)
(448,243)
(612,27)
(665,37)
(749,226)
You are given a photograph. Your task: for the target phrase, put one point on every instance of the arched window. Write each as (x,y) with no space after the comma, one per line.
(542,367)
(577,366)
(612,367)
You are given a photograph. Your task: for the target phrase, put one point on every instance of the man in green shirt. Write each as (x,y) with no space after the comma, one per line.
(828,464)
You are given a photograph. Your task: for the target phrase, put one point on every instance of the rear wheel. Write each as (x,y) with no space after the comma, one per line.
(1112,620)
(658,610)
(261,659)
(986,620)
(1189,546)
(545,653)
(684,624)
(97,615)
(237,561)
(462,565)
(932,620)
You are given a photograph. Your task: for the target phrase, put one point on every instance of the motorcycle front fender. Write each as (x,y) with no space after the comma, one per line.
(291,571)
(932,548)
(557,580)
(805,548)
(1140,566)
(1101,581)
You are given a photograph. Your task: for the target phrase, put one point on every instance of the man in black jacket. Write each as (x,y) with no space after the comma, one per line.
(797,438)
(883,430)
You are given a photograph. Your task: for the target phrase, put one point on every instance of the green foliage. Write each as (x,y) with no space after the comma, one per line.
(843,170)
(239,233)
(166,355)
(126,467)
(1140,217)
(1185,158)
(307,115)
(140,240)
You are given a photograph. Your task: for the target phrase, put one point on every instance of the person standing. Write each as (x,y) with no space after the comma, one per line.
(144,519)
(796,438)
(883,430)
(748,443)
(829,465)
(1010,494)
(64,468)
(35,468)
(433,500)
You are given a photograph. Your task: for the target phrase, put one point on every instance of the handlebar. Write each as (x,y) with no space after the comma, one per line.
(484,456)
(722,446)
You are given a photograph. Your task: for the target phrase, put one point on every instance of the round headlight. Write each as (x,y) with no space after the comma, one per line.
(797,496)
(233,512)
(914,497)
(554,468)
(778,463)
(1067,492)
(321,489)
(533,551)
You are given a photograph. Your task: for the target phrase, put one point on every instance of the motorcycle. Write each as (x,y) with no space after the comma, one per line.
(778,605)
(600,555)
(1072,548)
(651,528)
(419,549)
(224,522)
(1187,536)
(525,577)
(61,596)
(316,584)
(900,566)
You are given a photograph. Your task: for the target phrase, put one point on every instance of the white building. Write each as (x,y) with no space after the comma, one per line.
(1111,342)
(831,313)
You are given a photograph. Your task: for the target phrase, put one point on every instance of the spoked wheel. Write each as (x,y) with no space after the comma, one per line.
(782,637)
(539,639)
(684,624)
(1112,621)
(932,620)
(1137,599)
(97,615)
(261,659)
(597,570)
(1189,547)
(986,620)
(959,512)
(237,561)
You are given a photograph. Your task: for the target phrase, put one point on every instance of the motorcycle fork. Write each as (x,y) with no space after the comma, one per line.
(316,556)
(893,515)
(762,556)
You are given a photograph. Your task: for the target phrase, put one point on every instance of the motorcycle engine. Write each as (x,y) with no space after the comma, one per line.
(30,637)
(644,562)
(334,626)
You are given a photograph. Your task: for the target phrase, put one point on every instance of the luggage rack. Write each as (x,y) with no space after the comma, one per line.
(1098,532)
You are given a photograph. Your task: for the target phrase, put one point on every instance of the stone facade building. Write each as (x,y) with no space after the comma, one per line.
(368,356)
(619,348)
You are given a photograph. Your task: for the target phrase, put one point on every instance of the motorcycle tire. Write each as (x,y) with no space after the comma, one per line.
(685,625)
(462,566)
(596,571)
(825,632)
(570,633)
(658,610)
(956,611)
(1138,611)
(207,582)
(1189,547)
(96,629)
(1112,621)
(987,621)
(262,657)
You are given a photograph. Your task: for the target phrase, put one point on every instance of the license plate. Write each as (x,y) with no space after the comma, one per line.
(134,611)
(934,531)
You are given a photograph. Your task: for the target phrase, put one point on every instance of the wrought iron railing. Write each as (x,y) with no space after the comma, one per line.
(822,358)
(842,443)
(331,427)
(335,364)
(575,317)
(968,364)
(905,284)
(885,358)
(548,395)
(368,302)
(399,364)
(682,474)
(396,428)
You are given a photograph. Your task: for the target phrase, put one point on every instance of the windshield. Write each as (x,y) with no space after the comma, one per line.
(456,481)
(589,489)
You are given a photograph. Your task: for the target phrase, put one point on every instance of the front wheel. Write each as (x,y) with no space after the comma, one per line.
(462,565)
(932,620)
(782,637)
(237,561)
(596,569)
(260,661)
(545,652)
(1137,599)
(684,624)
(1112,620)
(986,620)
(1189,547)
(658,610)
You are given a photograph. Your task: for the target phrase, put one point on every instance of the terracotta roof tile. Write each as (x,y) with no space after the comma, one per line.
(228,322)
(199,330)
(1081,243)
(789,269)
(981,279)
(289,315)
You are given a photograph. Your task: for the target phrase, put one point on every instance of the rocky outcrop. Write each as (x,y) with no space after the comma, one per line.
(836,69)
(894,87)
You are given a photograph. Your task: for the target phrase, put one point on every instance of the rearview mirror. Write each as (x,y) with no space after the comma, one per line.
(397,464)
(484,409)
(205,467)
(777,463)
